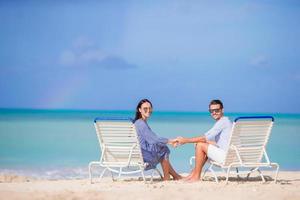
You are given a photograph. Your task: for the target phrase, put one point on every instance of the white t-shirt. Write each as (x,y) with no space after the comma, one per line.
(220,133)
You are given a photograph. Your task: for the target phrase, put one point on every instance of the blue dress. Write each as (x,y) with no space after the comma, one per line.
(154,148)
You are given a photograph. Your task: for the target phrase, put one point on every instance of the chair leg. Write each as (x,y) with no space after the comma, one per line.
(250,171)
(227,174)
(205,171)
(90,170)
(102,173)
(151,180)
(213,172)
(237,173)
(90,173)
(261,175)
(248,175)
(276,173)
(112,176)
(158,172)
(120,172)
(143,175)
(191,161)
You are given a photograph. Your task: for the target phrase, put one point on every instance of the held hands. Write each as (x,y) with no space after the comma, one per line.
(180,140)
(177,141)
(173,142)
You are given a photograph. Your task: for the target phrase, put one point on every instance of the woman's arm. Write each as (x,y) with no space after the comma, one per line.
(182,140)
(148,135)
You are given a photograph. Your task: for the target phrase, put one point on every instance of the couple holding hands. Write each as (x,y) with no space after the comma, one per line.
(213,144)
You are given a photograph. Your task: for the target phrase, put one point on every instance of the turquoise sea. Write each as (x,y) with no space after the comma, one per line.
(60,143)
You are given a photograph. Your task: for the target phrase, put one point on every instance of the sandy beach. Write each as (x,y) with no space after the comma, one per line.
(17,187)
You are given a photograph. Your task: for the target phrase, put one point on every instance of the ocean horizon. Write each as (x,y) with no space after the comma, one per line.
(60,143)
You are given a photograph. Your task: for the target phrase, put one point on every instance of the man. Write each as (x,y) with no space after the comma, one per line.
(213,144)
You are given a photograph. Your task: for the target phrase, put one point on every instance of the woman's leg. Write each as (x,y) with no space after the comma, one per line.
(175,175)
(165,165)
(168,170)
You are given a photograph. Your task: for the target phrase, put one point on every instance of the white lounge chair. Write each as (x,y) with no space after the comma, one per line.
(120,148)
(247,148)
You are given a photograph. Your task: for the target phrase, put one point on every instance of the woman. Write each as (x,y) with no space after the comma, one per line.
(154,148)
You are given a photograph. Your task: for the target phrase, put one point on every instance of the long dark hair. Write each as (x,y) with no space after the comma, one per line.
(137,112)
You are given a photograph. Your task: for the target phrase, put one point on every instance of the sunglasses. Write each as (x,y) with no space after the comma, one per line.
(215,110)
(146,109)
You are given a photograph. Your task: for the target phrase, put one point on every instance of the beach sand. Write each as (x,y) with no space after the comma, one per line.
(17,187)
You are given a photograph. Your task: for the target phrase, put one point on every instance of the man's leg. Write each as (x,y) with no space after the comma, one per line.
(200,159)
(189,176)
(193,170)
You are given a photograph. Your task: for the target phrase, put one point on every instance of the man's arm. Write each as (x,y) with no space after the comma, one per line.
(182,140)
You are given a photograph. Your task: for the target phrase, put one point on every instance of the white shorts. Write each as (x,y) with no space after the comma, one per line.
(215,153)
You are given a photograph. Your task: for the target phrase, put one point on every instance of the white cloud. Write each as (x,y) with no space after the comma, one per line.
(93,55)
(82,58)
(85,53)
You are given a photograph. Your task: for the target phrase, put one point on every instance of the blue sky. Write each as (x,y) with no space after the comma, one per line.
(179,54)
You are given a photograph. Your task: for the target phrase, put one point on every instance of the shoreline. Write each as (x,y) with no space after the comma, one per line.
(75,173)
(20,187)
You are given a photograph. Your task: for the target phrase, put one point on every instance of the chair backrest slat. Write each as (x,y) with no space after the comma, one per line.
(250,136)
(117,137)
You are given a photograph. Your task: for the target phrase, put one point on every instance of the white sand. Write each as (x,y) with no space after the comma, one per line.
(16,187)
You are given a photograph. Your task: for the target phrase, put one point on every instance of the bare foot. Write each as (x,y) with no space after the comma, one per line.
(188,177)
(193,179)
(177,178)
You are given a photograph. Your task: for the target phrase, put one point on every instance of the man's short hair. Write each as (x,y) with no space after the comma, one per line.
(216,102)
